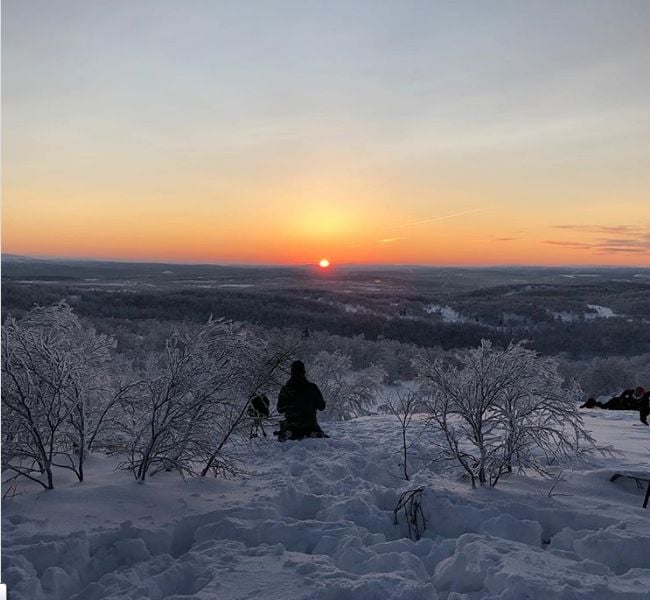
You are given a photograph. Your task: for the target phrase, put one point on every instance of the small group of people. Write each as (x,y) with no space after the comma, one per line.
(632,399)
(298,402)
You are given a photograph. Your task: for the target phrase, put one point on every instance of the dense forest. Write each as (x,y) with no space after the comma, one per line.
(554,319)
(597,322)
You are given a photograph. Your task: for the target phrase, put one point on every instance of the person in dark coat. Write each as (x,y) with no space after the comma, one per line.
(299,401)
(637,399)
(626,400)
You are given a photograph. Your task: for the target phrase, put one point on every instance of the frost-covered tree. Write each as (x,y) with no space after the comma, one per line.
(608,376)
(348,393)
(502,409)
(54,392)
(395,357)
(189,407)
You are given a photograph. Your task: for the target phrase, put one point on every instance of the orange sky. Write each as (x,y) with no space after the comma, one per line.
(234,136)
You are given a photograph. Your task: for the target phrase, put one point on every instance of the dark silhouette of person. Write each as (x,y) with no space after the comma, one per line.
(258,410)
(626,400)
(637,399)
(299,400)
(591,403)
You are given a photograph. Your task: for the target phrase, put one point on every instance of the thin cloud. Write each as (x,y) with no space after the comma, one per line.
(393,239)
(608,239)
(575,245)
(604,229)
(441,218)
(615,250)
(621,242)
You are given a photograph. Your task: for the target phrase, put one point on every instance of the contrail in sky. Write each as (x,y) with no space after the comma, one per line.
(442,218)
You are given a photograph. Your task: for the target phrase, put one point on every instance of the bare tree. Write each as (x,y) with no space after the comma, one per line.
(263,370)
(53,372)
(410,503)
(190,403)
(404,406)
(501,409)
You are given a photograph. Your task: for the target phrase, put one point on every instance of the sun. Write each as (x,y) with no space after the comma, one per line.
(324,263)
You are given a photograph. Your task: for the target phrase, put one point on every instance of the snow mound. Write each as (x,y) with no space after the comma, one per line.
(314,520)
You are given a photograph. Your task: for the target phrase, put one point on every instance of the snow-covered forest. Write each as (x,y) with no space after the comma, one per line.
(133,466)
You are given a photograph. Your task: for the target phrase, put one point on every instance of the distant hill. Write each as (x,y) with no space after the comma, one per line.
(19,267)
(18,258)
(25,267)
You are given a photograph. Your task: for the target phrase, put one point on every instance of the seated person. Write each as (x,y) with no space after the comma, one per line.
(299,400)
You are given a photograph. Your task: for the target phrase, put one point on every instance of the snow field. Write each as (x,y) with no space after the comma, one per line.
(314,520)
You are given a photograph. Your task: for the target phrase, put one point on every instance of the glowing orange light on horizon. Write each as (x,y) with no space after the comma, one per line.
(324,263)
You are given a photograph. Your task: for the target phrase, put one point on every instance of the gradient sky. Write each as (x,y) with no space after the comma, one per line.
(282,132)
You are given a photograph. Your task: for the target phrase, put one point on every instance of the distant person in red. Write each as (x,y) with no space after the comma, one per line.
(299,401)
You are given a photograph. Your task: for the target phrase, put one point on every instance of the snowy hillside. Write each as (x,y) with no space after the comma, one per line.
(314,519)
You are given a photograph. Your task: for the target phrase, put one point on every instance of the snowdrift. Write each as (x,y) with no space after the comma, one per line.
(314,520)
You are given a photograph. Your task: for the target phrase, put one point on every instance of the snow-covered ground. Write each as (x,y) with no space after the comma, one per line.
(596,312)
(602,312)
(448,314)
(314,519)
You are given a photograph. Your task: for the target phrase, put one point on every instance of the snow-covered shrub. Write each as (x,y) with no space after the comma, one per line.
(55,392)
(608,376)
(348,393)
(501,409)
(395,357)
(189,407)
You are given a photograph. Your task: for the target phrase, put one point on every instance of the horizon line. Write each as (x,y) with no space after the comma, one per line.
(314,264)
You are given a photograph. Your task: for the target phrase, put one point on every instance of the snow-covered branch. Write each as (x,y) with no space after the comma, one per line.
(503,409)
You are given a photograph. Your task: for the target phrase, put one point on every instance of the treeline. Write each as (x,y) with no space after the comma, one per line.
(623,297)
(400,317)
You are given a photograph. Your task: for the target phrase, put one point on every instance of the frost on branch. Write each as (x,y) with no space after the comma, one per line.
(348,393)
(55,392)
(188,409)
(502,409)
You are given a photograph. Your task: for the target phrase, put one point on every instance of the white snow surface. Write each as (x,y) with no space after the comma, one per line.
(602,312)
(597,312)
(448,314)
(314,520)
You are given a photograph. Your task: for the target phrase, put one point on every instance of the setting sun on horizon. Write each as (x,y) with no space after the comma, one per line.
(430,135)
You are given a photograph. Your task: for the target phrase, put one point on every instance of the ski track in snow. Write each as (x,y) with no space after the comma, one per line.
(314,520)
